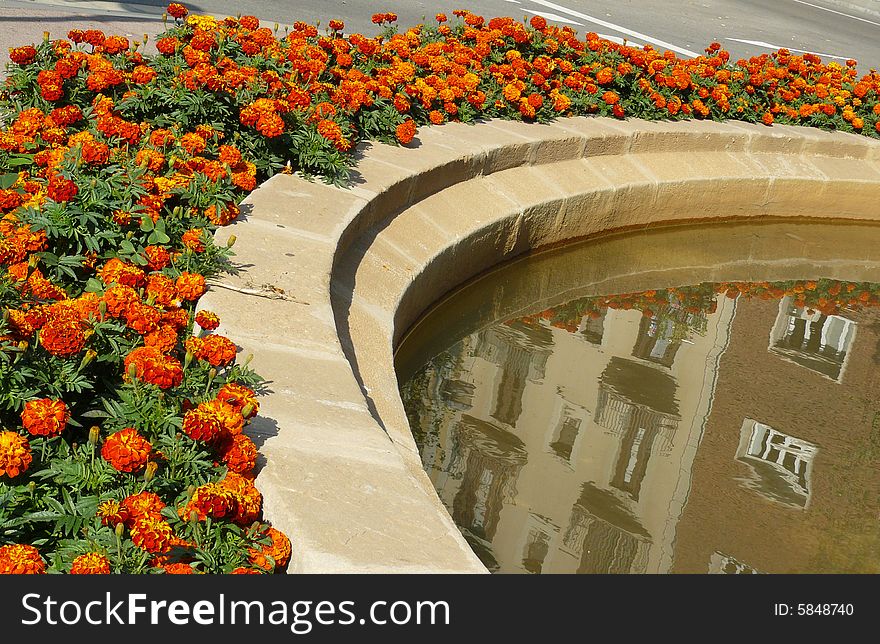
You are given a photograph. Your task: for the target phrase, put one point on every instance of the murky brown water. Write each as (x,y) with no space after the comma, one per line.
(687,400)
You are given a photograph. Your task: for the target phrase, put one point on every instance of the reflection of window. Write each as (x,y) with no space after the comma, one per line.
(811,339)
(722,564)
(566,436)
(641,431)
(655,341)
(593,328)
(605,536)
(781,464)
(537,546)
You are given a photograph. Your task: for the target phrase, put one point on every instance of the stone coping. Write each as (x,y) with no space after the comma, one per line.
(331,278)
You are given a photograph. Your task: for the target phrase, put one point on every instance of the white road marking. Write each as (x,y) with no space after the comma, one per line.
(553,17)
(621,41)
(760,43)
(618,28)
(839,13)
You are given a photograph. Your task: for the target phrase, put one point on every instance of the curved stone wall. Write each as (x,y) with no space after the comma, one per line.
(331,278)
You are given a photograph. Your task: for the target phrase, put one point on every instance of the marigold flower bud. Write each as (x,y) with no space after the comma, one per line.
(231,241)
(94,435)
(150,472)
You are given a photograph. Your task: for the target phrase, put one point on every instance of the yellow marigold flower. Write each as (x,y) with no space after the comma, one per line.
(91,563)
(15,454)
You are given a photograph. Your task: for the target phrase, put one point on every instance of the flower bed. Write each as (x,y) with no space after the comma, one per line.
(123,447)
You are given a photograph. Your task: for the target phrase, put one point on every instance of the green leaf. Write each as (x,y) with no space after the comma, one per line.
(6,180)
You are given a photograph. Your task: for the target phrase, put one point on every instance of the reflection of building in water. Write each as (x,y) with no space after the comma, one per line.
(785,477)
(781,464)
(811,339)
(601,468)
(722,564)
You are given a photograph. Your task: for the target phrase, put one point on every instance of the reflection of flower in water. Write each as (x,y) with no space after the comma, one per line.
(686,307)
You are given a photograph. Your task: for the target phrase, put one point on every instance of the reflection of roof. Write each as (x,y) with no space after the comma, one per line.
(603,505)
(641,385)
(491,440)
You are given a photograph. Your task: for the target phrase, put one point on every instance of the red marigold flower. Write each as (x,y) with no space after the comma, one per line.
(45,417)
(337,25)
(177,10)
(441,18)
(141,506)
(21,559)
(406,131)
(15,454)
(208,320)
(112,513)
(91,563)
(61,189)
(23,55)
(202,424)
(248,498)
(190,286)
(152,366)
(126,450)
(239,454)
(210,500)
(152,534)
(168,45)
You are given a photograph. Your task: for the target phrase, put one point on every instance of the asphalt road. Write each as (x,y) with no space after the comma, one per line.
(744,27)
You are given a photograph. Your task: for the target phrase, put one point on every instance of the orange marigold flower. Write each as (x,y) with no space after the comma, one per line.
(152,366)
(246,571)
(91,563)
(179,568)
(217,350)
(142,506)
(538,22)
(21,559)
(62,336)
(45,417)
(157,257)
(193,143)
(15,454)
(230,418)
(160,289)
(406,131)
(208,320)
(115,271)
(112,513)
(279,550)
(192,239)
(152,534)
(225,216)
(230,155)
(190,286)
(239,454)
(126,450)
(242,398)
(164,338)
